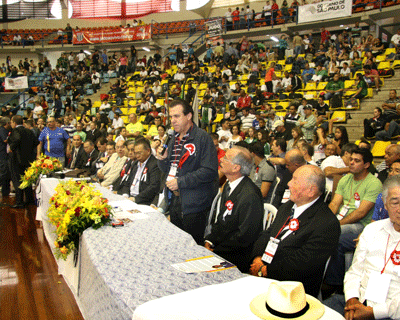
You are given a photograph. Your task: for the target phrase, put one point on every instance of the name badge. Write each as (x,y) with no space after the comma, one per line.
(342,213)
(172,172)
(357,200)
(378,287)
(270,250)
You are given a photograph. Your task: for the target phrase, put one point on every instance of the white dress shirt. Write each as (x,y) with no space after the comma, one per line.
(369,257)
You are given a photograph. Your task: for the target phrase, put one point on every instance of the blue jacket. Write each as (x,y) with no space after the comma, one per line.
(197,179)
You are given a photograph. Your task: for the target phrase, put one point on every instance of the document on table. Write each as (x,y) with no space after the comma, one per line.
(124,205)
(123,214)
(203,264)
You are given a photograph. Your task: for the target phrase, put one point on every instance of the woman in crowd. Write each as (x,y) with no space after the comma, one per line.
(263,136)
(341,138)
(319,143)
(235,136)
(297,134)
(251,136)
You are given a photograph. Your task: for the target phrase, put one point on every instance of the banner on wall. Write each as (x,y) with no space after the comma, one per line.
(112,35)
(214,31)
(325,10)
(16,83)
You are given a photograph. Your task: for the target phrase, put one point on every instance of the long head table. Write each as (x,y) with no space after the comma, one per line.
(119,269)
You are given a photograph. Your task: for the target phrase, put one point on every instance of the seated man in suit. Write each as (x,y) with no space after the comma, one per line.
(78,155)
(304,234)
(143,182)
(127,168)
(238,222)
(111,170)
(94,133)
(91,154)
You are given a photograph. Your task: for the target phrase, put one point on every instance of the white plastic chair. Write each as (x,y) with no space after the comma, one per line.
(213,207)
(269,215)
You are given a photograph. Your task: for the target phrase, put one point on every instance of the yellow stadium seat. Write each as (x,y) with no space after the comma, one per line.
(278,74)
(301,55)
(310,86)
(384,65)
(357,142)
(339,116)
(357,72)
(163,82)
(124,111)
(219,117)
(97,104)
(145,127)
(160,101)
(288,67)
(349,83)
(281,62)
(284,104)
(321,85)
(281,114)
(139,83)
(389,51)
(203,86)
(125,119)
(370,93)
(142,118)
(380,58)
(378,150)
(244,77)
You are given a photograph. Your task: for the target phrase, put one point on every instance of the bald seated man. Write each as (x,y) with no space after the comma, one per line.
(305,234)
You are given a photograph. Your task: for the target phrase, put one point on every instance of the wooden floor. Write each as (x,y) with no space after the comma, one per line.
(30,287)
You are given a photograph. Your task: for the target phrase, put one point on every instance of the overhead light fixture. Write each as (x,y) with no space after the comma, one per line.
(273,38)
(146,49)
(87,52)
(341,26)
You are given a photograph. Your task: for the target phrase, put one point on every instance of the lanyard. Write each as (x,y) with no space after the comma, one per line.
(351,192)
(387,261)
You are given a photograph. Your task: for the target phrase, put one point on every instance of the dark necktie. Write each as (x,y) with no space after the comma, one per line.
(225,193)
(286,229)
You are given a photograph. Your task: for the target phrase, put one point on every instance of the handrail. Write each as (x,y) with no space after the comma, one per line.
(6,35)
(16,97)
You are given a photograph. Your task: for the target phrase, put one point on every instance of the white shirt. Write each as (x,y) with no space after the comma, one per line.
(332,161)
(228,16)
(179,76)
(247,122)
(138,177)
(369,257)
(81,56)
(234,184)
(224,133)
(396,39)
(157,89)
(117,123)
(296,214)
(38,109)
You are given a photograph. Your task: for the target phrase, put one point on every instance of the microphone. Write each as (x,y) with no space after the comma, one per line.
(165,146)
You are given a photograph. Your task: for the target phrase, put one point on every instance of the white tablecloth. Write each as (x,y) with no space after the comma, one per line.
(227,301)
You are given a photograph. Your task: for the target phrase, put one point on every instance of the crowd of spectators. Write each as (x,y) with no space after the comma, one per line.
(239,84)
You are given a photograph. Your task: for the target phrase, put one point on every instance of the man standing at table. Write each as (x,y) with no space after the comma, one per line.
(240,216)
(302,237)
(52,138)
(22,142)
(192,166)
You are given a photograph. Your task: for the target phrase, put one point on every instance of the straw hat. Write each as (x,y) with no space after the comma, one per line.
(286,300)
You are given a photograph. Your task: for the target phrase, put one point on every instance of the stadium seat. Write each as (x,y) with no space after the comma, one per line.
(340,116)
(378,150)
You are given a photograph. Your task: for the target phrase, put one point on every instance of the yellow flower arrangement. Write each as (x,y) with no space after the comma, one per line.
(43,165)
(74,207)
